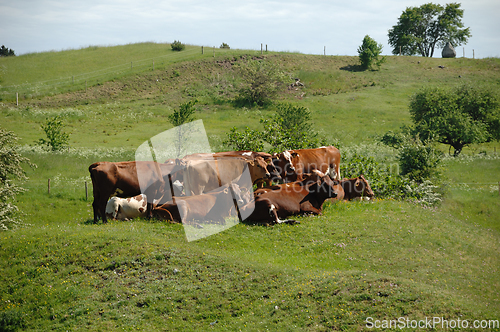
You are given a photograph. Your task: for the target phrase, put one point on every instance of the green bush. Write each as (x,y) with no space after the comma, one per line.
(10,169)
(419,161)
(261,82)
(224,45)
(177,46)
(288,129)
(369,53)
(249,139)
(57,139)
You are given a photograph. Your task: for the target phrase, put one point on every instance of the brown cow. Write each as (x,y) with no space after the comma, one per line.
(204,175)
(124,179)
(213,206)
(296,198)
(307,178)
(356,187)
(246,155)
(292,164)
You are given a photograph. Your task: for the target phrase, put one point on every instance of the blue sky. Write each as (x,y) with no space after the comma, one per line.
(304,26)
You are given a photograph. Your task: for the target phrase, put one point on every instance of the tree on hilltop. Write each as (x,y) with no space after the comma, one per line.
(421,29)
(4,51)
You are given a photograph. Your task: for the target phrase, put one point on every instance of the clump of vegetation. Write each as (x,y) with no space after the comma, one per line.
(459,117)
(289,128)
(224,45)
(369,53)
(183,115)
(57,139)
(4,51)
(261,82)
(177,46)
(10,169)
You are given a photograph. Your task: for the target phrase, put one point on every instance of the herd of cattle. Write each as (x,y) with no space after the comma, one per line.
(211,187)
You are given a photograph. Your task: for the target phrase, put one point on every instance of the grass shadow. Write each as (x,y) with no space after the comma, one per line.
(353,68)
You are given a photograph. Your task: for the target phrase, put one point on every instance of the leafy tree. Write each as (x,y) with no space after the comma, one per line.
(224,45)
(57,139)
(457,117)
(261,81)
(421,29)
(369,53)
(177,46)
(10,169)
(4,51)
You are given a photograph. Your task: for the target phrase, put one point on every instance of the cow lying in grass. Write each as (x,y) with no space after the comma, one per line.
(271,206)
(354,188)
(210,207)
(126,208)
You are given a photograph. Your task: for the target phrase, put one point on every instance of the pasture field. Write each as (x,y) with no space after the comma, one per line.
(384,259)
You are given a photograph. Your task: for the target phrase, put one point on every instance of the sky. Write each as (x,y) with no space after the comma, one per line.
(309,27)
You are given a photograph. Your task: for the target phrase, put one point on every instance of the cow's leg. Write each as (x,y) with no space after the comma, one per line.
(95,206)
(102,210)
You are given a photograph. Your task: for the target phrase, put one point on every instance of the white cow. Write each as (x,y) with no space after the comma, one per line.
(126,208)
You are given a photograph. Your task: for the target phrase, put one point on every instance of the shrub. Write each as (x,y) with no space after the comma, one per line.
(261,82)
(10,169)
(288,129)
(249,139)
(177,46)
(419,161)
(224,45)
(57,139)
(369,53)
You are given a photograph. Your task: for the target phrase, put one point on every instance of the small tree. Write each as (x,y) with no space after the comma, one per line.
(261,81)
(224,45)
(182,116)
(369,53)
(177,46)
(10,169)
(458,117)
(57,139)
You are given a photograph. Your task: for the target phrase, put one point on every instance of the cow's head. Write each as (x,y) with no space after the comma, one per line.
(234,190)
(363,187)
(285,164)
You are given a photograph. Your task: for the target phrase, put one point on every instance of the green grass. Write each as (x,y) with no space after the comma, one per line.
(385,260)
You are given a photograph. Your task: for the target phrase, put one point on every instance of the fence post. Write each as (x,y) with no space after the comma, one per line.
(202,51)
(48,187)
(214,51)
(473,54)
(260,48)
(266,48)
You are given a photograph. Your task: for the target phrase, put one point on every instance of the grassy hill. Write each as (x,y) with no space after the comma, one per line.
(383,260)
